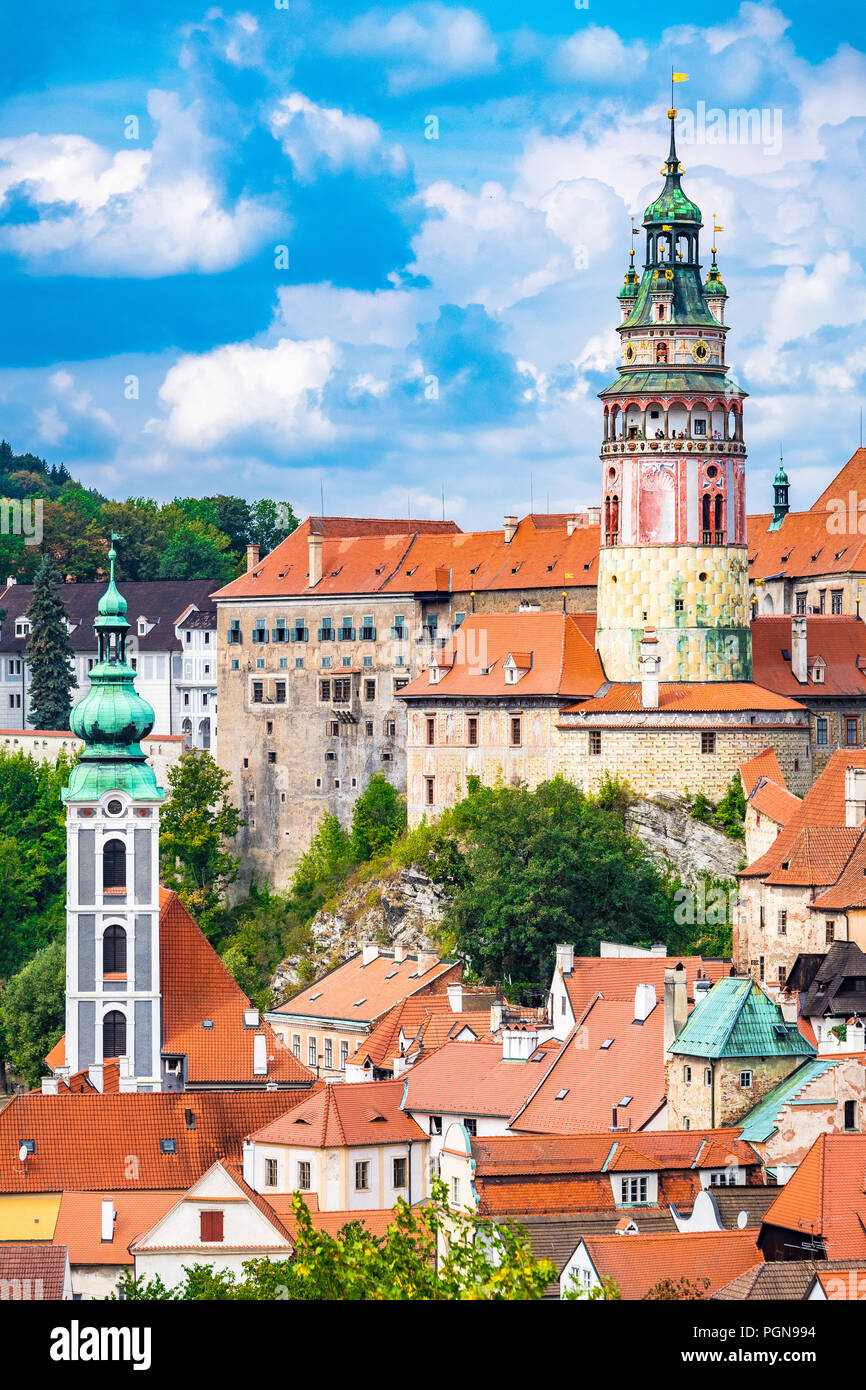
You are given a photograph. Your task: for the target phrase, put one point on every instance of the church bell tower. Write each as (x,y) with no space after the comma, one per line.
(673,546)
(112,894)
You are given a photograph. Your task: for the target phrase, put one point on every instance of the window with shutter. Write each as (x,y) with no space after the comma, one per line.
(211,1225)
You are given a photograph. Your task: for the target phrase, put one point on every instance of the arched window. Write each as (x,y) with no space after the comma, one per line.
(114,864)
(114,951)
(719,517)
(204,733)
(705,519)
(114,1034)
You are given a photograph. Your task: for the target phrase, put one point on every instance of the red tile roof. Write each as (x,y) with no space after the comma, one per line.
(345,1116)
(376,1221)
(90,1142)
(426,1021)
(561,647)
(79,1224)
(763,767)
(471,1079)
(825,1197)
(849,890)
(637,1263)
(32,1273)
(776,802)
(617,977)
(822,806)
(363,993)
(688,697)
(817,856)
(839,641)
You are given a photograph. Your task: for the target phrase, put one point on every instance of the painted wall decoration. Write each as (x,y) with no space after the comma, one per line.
(657,502)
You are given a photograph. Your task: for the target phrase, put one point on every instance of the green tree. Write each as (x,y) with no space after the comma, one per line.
(731,810)
(32,1011)
(484,1262)
(677,1290)
(270,523)
(48,653)
(323,870)
(197,551)
(196,823)
(378,817)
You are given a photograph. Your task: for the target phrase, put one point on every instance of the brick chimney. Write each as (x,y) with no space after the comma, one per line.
(649,669)
(252,557)
(799,658)
(676,1003)
(510,526)
(315,553)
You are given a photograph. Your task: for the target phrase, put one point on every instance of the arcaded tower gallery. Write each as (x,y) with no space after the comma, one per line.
(673,546)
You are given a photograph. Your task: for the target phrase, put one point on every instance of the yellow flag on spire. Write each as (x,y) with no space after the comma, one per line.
(679,77)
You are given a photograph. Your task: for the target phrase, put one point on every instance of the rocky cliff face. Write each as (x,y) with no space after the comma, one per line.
(405,910)
(676,840)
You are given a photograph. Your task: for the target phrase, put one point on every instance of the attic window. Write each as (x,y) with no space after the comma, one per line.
(29,1145)
(358,1002)
(207,1023)
(780,1030)
(392,973)
(817,553)
(412,570)
(560,1095)
(317,995)
(251,1018)
(515,568)
(335,572)
(786,655)
(786,863)
(840,553)
(608,1042)
(588,565)
(540,1055)
(626,1100)
(551,567)
(168,1146)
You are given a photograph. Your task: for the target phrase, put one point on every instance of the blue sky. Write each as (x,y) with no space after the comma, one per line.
(375,250)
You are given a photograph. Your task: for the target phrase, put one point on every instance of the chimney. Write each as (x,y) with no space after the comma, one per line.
(49,1085)
(399,954)
(799,659)
(855,795)
(249,1167)
(613,1117)
(455,998)
(518,1044)
(314,543)
(676,1003)
(426,961)
(644,1002)
(565,959)
(593,516)
(94,1071)
(369,953)
(11,580)
(572,525)
(510,526)
(252,557)
(127,1085)
(649,669)
(107,1220)
(496,1016)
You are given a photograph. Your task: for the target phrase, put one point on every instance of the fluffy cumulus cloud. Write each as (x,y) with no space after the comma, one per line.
(241,393)
(326,139)
(70,421)
(598,54)
(151,212)
(422,45)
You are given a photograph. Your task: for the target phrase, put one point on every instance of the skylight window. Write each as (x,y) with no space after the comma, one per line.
(626,1100)
(168,1146)
(207,1023)
(540,1055)
(391,974)
(317,995)
(358,1002)
(608,1042)
(560,1095)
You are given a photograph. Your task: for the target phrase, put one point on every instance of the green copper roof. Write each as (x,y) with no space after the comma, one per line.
(112,718)
(672,205)
(688,303)
(631,285)
(715,285)
(761,1122)
(781,478)
(737,1019)
(644,379)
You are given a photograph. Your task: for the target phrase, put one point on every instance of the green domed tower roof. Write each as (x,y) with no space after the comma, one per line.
(112,717)
(632,281)
(672,205)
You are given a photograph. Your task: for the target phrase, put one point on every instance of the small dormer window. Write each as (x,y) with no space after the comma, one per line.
(142,627)
(818,673)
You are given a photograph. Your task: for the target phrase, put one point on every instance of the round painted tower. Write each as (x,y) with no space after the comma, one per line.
(673,545)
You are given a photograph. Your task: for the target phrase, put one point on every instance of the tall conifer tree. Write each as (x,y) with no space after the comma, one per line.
(48,653)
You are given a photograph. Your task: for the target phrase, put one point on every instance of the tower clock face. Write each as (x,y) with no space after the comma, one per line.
(700,351)
(628,354)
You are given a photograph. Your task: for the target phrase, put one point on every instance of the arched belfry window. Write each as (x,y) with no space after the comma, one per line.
(114,1034)
(114,864)
(114,951)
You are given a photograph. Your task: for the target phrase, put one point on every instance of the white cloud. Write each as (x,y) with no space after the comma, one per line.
(324,137)
(138,212)
(422,45)
(831,294)
(597,52)
(241,391)
(763,23)
(379,318)
(71,419)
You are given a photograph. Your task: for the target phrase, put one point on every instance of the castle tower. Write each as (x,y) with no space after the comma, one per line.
(673,555)
(112,884)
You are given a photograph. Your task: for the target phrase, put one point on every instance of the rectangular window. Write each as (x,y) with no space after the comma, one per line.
(390,728)
(708,1076)
(399,1172)
(471,1126)
(280,692)
(342,690)
(344,1055)
(260,631)
(851,733)
(324,690)
(850,1121)
(782,924)
(329,1053)
(595,742)
(311,1052)
(368,728)
(708,743)
(399,631)
(761,915)
(472,731)
(633,1191)
(299,631)
(431,732)
(299,663)
(326,631)
(801,601)
(516,730)
(761,967)
(687,1074)
(368,632)
(271,1172)
(821,730)
(258,692)
(783,974)
(369,690)
(822,600)
(429,793)
(346,632)
(362,1177)
(305,1175)
(829,932)
(678,605)
(455,1191)
(745,1080)
(296,1044)
(234,634)
(211,1225)
(835,600)
(435,1124)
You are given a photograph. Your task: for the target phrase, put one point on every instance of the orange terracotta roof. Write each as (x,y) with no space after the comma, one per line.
(57,1056)
(849,890)
(31,1272)
(824,1197)
(617,977)
(839,641)
(376,1222)
(589,1080)
(823,805)
(363,993)
(688,697)
(564,661)
(85,1142)
(637,1263)
(471,1079)
(850,478)
(79,1224)
(341,1115)
(818,855)
(765,765)
(776,802)
(425,1020)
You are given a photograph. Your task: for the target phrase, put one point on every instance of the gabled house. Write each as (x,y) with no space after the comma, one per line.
(832,996)
(35,1273)
(821,1211)
(417,1026)
(769,804)
(637,1263)
(97,1229)
(821,1096)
